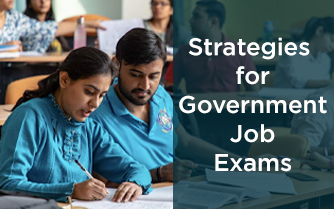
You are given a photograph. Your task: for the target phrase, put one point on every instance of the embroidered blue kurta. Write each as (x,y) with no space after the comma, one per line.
(39,145)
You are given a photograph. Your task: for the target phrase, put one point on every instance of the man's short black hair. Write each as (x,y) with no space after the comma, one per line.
(140,46)
(214,9)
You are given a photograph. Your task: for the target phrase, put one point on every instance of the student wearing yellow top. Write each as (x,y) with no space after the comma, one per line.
(42,11)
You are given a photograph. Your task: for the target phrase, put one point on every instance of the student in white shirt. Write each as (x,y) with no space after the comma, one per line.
(317,127)
(313,70)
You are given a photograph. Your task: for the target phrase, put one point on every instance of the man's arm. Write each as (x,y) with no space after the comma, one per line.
(321,150)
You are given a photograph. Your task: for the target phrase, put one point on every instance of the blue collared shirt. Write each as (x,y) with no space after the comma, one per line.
(39,145)
(148,144)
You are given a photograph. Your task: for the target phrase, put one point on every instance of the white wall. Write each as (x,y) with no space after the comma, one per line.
(136,9)
(114,9)
(68,8)
(20,5)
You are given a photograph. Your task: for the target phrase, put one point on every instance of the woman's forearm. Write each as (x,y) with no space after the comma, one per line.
(69,26)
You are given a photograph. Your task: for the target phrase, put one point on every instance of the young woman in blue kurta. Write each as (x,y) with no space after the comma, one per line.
(36,35)
(43,136)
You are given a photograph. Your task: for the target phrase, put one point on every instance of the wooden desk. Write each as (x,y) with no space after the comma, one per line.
(154,186)
(45,57)
(5,112)
(305,190)
(52,57)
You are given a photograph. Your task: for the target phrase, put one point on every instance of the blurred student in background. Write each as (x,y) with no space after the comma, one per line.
(162,20)
(313,70)
(317,127)
(169,75)
(37,35)
(204,74)
(41,10)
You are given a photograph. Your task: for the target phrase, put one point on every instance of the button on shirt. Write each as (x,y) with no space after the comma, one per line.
(295,71)
(35,35)
(148,144)
(317,127)
(39,145)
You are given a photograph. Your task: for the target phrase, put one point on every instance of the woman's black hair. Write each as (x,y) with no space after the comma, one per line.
(169,29)
(49,16)
(140,46)
(81,63)
(326,22)
(32,14)
(214,9)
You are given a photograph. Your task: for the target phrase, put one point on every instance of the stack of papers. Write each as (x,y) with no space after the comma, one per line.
(205,195)
(272,182)
(159,198)
(9,51)
(30,54)
(115,30)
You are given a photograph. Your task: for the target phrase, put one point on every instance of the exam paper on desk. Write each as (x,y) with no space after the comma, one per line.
(158,198)
(115,30)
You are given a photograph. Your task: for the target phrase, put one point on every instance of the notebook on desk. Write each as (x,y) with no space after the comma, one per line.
(9,51)
(205,195)
(158,198)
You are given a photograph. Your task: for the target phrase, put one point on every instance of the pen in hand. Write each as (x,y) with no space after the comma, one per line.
(83,168)
(86,172)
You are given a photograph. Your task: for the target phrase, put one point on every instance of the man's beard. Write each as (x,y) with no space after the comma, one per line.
(129,95)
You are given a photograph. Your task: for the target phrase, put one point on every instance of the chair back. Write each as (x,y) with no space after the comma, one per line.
(16,88)
(284,143)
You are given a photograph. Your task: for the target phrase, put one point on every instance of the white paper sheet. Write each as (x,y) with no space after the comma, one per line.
(30,54)
(115,30)
(158,198)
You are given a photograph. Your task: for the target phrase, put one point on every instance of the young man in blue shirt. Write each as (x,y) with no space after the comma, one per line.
(138,112)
